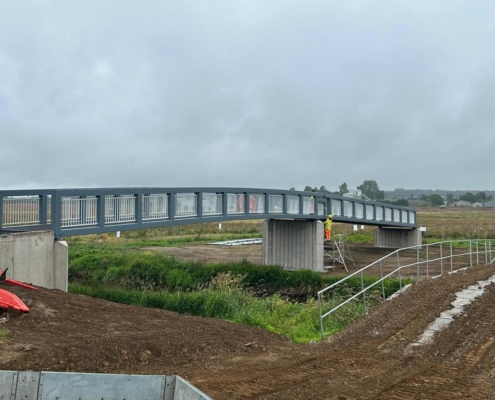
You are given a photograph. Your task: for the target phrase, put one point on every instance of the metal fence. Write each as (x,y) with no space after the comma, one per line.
(85,211)
(415,262)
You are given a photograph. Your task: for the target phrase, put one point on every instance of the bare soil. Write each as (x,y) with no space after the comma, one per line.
(371,359)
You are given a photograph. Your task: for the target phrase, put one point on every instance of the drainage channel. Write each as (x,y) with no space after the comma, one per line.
(463,298)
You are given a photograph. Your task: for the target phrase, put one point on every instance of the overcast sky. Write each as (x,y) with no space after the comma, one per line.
(254,93)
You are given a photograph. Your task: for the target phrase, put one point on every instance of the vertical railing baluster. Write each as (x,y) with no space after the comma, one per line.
(417,263)
(427,261)
(364,294)
(470,253)
(441,258)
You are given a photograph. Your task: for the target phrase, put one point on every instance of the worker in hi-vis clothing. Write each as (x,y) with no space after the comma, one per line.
(328,228)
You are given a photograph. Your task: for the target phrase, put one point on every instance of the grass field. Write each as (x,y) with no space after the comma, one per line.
(440,223)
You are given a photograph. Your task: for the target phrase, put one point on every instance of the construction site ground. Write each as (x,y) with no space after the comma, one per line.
(371,359)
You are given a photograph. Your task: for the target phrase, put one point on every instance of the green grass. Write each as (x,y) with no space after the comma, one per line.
(138,270)
(226,298)
(3,335)
(264,296)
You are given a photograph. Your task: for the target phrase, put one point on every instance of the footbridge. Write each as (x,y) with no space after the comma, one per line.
(292,231)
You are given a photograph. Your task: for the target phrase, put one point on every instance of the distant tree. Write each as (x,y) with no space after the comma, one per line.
(435,200)
(489,198)
(402,202)
(292,188)
(450,198)
(370,189)
(481,196)
(308,188)
(468,197)
(343,189)
(424,197)
(323,189)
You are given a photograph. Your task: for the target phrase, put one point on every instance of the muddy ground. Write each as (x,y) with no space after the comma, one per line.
(371,359)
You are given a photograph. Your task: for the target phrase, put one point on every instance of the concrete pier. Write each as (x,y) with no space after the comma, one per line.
(35,257)
(397,237)
(293,244)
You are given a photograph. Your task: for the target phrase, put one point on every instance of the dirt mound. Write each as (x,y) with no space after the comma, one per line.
(371,359)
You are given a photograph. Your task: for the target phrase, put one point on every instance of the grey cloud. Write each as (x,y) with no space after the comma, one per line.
(249,93)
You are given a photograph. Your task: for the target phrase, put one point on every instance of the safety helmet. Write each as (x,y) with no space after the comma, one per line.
(330,216)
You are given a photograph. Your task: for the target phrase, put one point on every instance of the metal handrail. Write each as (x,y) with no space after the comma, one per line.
(70,212)
(472,251)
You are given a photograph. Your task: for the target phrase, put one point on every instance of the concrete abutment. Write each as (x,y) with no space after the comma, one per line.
(36,258)
(397,238)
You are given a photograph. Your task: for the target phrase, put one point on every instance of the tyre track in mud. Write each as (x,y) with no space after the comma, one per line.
(372,358)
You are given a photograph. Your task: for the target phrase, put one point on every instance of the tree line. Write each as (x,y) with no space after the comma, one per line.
(401,197)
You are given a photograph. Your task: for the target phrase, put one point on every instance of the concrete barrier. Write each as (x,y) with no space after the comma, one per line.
(27,385)
(35,257)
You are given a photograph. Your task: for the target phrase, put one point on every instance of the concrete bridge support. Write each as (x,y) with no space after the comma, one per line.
(397,237)
(293,244)
(35,257)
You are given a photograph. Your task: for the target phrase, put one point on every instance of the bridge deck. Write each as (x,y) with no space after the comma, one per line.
(70,212)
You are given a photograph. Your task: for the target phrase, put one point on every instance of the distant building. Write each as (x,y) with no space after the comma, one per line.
(354,193)
(489,203)
(477,204)
(462,203)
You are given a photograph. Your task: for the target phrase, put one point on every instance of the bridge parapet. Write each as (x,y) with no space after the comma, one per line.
(70,212)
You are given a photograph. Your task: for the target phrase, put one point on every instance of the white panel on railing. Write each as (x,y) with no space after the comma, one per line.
(396,215)
(321,209)
(412,217)
(404,216)
(212,204)
(21,210)
(308,205)
(379,213)
(185,205)
(369,211)
(120,209)
(359,211)
(155,206)
(256,203)
(347,209)
(337,207)
(235,203)
(292,204)
(388,214)
(77,211)
(275,203)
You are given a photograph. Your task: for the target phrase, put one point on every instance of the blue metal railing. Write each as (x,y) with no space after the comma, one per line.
(70,212)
